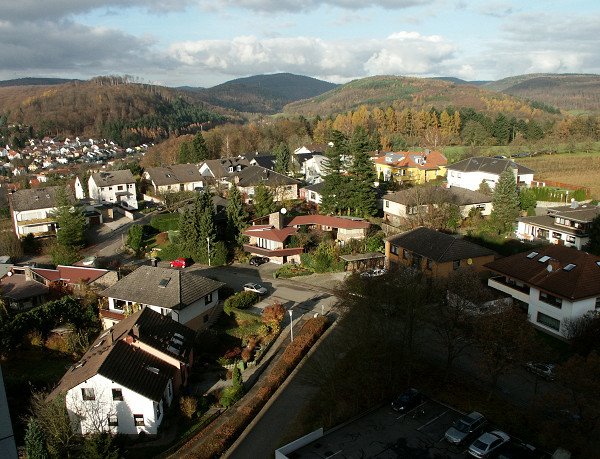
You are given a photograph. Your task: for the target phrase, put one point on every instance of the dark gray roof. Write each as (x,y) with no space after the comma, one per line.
(254,175)
(111,178)
(582,213)
(182,287)
(455,195)
(266,161)
(437,246)
(111,356)
(220,167)
(316,187)
(17,287)
(176,173)
(490,165)
(35,198)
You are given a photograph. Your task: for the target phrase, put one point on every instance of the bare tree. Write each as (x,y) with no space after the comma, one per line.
(92,415)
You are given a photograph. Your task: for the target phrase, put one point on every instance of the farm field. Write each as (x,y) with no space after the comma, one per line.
(579,169)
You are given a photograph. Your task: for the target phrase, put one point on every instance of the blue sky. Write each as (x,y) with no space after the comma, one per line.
(203,43)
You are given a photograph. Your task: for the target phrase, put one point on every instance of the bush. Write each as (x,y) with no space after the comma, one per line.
(290,270)
(169,252)
(188,406)
(165,222)
(231,394)
(241,300)
(218,254)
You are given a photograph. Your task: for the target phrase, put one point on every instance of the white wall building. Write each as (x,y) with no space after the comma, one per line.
(114,187)
(33,211)
(556,284)
(470,173)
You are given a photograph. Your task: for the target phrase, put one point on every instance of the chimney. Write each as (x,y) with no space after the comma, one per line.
(276,220)
(28,273)
(136,331)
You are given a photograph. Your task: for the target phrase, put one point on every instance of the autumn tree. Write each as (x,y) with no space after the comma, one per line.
(272,316)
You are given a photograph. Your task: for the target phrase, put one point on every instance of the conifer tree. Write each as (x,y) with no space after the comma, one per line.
(199,150)
(185,153)
(237,217)
(283,158)
(263,201)
(71,221)
(35,441)
(335,189)
(505,200)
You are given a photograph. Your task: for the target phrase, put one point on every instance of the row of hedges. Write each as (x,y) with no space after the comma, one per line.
(165,222)
(241,300)
(557,194)
(218,440)
(289,270)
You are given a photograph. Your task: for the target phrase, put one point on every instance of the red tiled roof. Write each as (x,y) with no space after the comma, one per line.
(270,233)
(329,220)
(434,159)
(71,274)
(582,281)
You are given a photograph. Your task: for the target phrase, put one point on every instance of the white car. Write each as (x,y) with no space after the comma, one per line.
(257,288)
(488,443)
(375,272)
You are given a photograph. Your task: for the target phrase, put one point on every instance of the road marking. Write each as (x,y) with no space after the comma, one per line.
(433,420)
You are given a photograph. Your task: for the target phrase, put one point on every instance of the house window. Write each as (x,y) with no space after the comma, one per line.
(120,188)
(387,203)
(556,235)
(208,298)
(550,299)
(113,421)
(394,249)
(405,254)
(456,264)
(138,420)
(548,321)
(117,395)
(571,239)
(88,393)
(110,188)
(313,196)
(429,264)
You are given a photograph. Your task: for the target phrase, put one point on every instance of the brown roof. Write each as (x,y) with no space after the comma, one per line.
(329,220)
(269,232)
(420,160)
(110,178)
(581,281)
(71,274)
(582,213)
(437,246)
(17,287)
(174,174)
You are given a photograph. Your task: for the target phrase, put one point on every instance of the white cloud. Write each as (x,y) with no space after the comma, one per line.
(295,6)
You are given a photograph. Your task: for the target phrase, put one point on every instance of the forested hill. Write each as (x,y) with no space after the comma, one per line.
(110,107)
(29,81)
(266,94)
(569,92)
(414,93)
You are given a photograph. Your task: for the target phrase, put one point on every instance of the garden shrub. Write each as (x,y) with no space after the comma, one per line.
(241,300)
(165,222)
(188,406)
(218,254)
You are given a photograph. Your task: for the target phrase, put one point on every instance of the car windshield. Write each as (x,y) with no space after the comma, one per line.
(480,445)
(461,426)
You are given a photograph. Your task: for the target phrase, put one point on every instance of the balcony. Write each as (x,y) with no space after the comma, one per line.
(255,250)
(519,293)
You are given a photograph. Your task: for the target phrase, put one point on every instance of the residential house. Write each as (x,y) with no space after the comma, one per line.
(313,194)
(129,377)
(223,170)
(566,225)
(556,284)
(343,229)
(435,253)
(74,277)
(312,167)
(281,186)
(177,177)
(471,172)
(8,447)
(79,189)
(401,206)
(183,295)
(313,148)
(411,167)
(33,210)
(272,240)
(114,187)
(18,288)
(266,161)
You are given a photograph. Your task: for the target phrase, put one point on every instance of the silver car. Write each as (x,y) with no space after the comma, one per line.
(487,443)
(465,428)
(257,288)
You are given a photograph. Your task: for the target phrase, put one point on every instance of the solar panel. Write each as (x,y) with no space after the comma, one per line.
(544,259)
(532,255)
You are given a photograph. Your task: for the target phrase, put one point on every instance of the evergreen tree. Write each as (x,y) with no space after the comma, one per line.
(186,232)
(593,245)
(505,200)
(360,140)
(237,216)
(283,159)
(35,441)
(207,234)
(71,221)
(135,237)
(263,201)
(100,445)
(335,189)
(363,198)
(185,153)
(198,150)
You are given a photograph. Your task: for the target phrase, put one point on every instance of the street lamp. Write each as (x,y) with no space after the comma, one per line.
(208,243)
(291,325)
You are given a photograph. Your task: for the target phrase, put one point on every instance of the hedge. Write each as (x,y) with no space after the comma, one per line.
(219,439)
(165,222)
(241,300)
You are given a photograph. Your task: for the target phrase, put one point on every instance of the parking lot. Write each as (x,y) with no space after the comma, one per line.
(384,433)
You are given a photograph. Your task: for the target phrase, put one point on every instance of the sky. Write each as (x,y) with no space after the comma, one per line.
(202,43)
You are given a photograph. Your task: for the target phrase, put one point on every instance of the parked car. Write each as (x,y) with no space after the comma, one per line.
(544,370)
(466,428)
(257,261)
(251,287)
(512,450)
(408,400)
(375,272)
(487,443)
(179,263)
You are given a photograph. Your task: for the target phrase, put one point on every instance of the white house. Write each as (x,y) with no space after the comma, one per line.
(556,284)
(312,194)
(281,186)
(33,211)
(114,187)
(129,377)
(79,190)
(184,296)
(313,168)
(177,177)
(469,173)
(566,225)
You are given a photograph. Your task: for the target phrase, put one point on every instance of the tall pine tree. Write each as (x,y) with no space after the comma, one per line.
(334,196)
(283,158)
(505,200)
(237,217)
(199,151)
(70,219)
(263,201)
